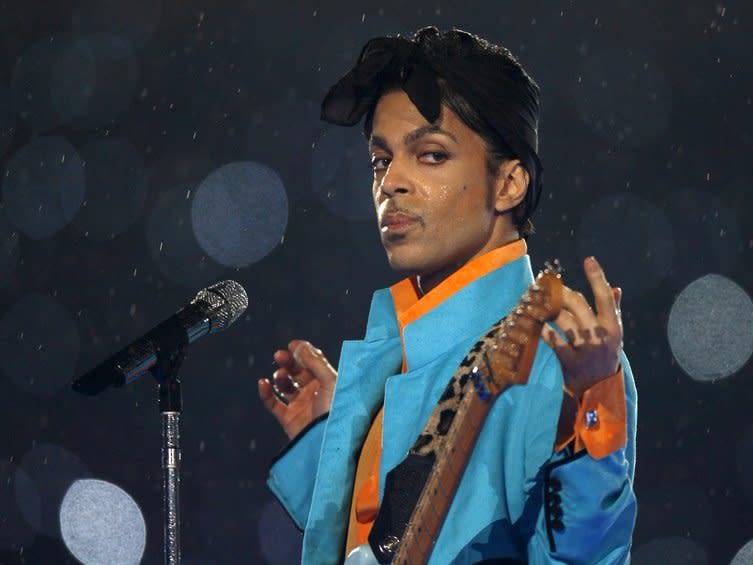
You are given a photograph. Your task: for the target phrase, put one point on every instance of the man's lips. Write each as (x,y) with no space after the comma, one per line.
(397,222)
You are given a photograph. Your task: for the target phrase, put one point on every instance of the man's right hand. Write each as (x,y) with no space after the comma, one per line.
(305,379)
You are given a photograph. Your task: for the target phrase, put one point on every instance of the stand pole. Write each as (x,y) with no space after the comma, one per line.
(170,407)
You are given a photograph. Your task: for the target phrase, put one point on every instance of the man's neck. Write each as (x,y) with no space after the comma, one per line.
(425,283)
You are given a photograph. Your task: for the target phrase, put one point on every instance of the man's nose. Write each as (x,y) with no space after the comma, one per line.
(395,180)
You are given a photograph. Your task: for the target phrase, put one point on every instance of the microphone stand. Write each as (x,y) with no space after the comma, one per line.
(161,353)
(170,406)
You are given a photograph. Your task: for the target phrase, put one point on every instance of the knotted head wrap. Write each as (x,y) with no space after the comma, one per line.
(486,76)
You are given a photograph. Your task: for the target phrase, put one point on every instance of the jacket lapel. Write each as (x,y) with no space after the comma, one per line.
(363,369)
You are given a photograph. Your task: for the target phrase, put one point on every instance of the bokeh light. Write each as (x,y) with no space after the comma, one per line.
(280,134)
(623,96)
(39,344)
(116,186)
(72,80)
(15,530)
(43,186)
(172,243)
(101,524)
(9,248)
(43,477)
(31,84)
(240,213)
(744,556)
(341,176)
(710,328)
(94,79)
(639,230)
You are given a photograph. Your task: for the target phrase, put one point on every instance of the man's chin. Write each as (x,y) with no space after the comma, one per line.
(403,261)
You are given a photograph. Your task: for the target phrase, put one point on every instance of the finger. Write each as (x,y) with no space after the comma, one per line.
(617,298)
(284,382)
(314,362)
(269,400)
(575,303)
(552,338)
(564,351)
(287,361)
(602,291)
(284,358)
(569,326)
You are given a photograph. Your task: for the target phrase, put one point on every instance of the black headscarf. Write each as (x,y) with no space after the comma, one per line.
(487,76)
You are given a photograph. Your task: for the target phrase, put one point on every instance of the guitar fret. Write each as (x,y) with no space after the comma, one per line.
(422,546)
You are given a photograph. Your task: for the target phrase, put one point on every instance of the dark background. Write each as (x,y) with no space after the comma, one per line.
(646,137)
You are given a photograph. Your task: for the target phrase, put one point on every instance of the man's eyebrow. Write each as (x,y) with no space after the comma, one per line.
(376,142)
(379,142)
(417,134)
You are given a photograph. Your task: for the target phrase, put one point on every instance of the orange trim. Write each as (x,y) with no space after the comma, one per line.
(607,399)
(404,295)
(409,307)
(364,503)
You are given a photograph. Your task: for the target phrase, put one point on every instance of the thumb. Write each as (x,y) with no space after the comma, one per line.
(312,359)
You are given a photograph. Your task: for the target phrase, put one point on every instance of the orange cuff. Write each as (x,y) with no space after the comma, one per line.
(600,425)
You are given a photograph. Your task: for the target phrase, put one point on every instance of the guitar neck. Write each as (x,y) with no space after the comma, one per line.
(443,481)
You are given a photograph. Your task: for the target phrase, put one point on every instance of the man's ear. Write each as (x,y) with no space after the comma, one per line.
(510,185)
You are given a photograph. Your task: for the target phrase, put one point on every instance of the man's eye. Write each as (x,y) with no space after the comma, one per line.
(379,163)
(435,157)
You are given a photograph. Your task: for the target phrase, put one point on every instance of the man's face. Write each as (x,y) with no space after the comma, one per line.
(431,189)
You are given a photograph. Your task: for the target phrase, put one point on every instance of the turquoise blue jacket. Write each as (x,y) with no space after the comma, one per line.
(517,499)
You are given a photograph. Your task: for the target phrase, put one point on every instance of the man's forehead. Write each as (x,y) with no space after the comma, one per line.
(379,139)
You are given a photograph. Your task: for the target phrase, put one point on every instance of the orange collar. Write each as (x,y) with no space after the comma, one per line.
(409,306)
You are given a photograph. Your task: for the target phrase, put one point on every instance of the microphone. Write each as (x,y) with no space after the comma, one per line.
(212,310)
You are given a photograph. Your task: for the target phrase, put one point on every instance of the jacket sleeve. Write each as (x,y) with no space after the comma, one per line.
(291,478)
(588,507)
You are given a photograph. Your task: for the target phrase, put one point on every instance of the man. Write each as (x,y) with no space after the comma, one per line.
(452,127)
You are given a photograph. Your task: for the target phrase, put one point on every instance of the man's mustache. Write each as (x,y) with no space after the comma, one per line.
(392,210)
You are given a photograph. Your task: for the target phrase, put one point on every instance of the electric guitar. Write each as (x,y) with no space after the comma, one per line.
(418,492)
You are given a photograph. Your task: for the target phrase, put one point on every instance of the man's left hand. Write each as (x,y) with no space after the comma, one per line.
(594,339)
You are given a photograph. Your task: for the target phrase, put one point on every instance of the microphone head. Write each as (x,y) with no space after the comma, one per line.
(227,301)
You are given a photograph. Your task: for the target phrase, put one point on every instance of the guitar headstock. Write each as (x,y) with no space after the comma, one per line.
(510,346)
(542,300)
